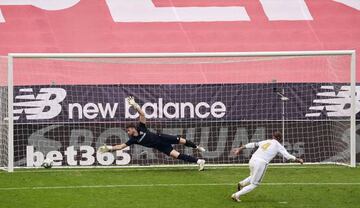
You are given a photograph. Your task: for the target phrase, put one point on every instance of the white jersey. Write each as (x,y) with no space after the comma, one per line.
(268,149)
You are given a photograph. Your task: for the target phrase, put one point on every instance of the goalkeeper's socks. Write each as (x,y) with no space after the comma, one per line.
(187,158)
(190,144)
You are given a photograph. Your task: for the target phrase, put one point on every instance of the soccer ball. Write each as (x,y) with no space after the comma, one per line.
(48,163)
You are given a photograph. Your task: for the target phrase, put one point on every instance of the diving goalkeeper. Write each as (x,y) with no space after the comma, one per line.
(139,134)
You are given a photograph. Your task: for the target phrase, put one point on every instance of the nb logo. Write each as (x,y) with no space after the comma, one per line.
(334,102)
(45,105)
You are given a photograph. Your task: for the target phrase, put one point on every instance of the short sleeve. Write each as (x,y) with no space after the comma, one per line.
(130,142)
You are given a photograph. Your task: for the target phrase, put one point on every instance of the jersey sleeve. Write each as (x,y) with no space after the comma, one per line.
(251,145)
(130,142)
(285,153)
(142,127)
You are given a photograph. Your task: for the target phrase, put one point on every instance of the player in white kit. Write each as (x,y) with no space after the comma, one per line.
(259,161)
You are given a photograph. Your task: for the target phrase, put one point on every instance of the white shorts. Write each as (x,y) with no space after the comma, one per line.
(257,170)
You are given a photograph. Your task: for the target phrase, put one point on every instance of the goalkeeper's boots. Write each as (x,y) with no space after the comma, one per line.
(201,164)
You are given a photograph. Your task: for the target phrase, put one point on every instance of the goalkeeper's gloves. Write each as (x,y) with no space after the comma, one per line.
(105,148)
(132,102)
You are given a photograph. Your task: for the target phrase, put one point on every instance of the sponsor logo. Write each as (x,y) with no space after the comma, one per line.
(86,157)
(334,102)
(173,110)
(76,146)
(78,150)
(92,110)
(45,105)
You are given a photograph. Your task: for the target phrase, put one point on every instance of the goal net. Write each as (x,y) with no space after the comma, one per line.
(66,106)
(4,125)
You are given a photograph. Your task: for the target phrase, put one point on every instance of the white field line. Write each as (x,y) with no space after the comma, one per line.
(187,167)
(169,185)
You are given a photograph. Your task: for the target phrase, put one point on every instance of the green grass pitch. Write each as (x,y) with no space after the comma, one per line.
(283,186)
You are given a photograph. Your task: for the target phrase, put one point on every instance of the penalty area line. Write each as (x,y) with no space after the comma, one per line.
(166,185)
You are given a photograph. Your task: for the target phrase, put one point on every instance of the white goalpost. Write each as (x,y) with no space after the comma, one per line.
(63,106)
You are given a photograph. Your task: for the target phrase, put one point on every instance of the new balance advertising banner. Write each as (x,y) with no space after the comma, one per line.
(70,122)
(216,102)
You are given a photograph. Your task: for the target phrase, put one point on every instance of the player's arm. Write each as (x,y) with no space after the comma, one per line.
(132,102)
(288,156)
(251,145)
(119,147)
(106,148)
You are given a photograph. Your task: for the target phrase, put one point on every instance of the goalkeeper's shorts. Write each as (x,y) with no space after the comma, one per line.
(165,143)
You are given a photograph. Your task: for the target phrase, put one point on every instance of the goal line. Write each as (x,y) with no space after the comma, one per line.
(171,185)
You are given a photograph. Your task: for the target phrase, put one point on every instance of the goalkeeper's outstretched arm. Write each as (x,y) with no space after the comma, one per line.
(132,102)
(106,148)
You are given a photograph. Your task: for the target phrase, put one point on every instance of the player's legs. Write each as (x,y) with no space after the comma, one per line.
(169,150)
(170,139)
(188,158)
(259,172)
(246,181)
(257,169)
(177,155)
(189,143)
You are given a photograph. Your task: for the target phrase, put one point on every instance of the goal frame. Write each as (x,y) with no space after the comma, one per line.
(12,56)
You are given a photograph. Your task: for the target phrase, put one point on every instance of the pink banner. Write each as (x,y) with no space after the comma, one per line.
(174,26)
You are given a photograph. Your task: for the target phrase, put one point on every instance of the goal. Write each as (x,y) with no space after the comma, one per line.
(63,106)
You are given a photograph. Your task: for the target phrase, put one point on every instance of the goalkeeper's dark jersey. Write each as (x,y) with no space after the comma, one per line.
(145,137)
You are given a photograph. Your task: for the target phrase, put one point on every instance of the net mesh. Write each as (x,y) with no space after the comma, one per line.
(3,113)
(66,108)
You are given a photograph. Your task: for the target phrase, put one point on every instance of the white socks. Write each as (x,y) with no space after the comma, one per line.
(246,181)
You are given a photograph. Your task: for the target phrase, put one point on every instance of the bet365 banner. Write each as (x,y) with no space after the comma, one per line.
(76,144)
